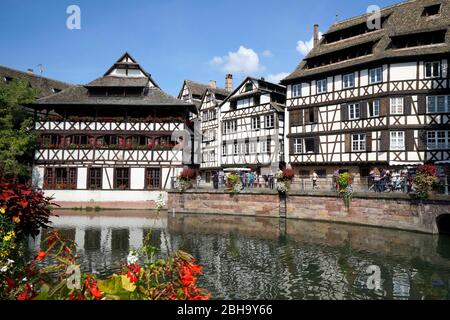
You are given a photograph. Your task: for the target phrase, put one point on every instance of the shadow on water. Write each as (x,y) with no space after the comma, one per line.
(262,258)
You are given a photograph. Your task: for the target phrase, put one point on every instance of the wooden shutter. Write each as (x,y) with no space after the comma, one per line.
(407,105)
(291,145)
(348,143)
(301,118)
(369,141)
(409,140)
(384,108)
(316,115)
(385,140)
(422,142)
(295,117)
(306,118)
(422,104)
(344,112)
(316,145)
(363,110)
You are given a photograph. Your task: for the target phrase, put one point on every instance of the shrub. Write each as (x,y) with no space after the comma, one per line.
(424,181)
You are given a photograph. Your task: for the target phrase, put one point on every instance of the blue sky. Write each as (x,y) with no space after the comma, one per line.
(174,40)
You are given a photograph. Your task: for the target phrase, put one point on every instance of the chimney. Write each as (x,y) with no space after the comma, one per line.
(213,84)
(316,35)
(30,71)
(229,82)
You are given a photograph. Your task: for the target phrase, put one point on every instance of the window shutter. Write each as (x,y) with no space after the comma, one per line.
(291,145)
(408,105)
(316,115)
(422,104)
(363,109)
(295,118)
(369,141)
(422,142)
(385,143)
(316,145)
(301,118)
(306,116)
(344,112)
(348,143)
(409,140)
(384,107)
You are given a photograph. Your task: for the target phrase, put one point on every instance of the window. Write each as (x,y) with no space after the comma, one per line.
(212,156)
(374,108)
(310,145)
(298,146)
(397,105)
(438,104)
(230,126)
(375,75)
(50,140)
(432,10)
(235,148)
(358,142)
(60,178)
(296,90)
(397,140)
(246,147)
(253,148)
(205,116)
(256,123)
(224,150)
(122,178)
(354,111)
(348,80)
(152,178)
(265,146)
(212,115)
(94,178)
(432,69)
(438,140)
(269,120)
(80,140)
(248,87)
(321,86)
(245,103)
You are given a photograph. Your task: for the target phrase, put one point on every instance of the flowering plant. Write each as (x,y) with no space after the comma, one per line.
(160,202)
(184,180)
(233,183)
(344,187)
(424,181)
(284,179)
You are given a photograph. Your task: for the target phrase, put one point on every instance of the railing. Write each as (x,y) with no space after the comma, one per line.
(329,184)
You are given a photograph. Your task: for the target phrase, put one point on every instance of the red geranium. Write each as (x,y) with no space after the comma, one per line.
(41,255)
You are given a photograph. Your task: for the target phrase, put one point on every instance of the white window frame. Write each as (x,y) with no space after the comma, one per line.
(256,123)
(354,111)
(296,90)
(435,101)
(397,105)
(373,106)
(397,140)
(224,150)
(433,138)
(269,121)
(322,86)
(253,147)
(235,149)
(432,64)
(345,81)
(376,75)
(298,146)
(359,142)
(265,146)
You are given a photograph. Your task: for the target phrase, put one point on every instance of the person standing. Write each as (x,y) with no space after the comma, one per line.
(216,180)
(314,179)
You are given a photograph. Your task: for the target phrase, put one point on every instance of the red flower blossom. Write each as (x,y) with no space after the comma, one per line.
(76,296)
(41,255)
(23,296)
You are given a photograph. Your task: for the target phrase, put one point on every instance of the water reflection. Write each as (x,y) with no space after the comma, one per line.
(259,258)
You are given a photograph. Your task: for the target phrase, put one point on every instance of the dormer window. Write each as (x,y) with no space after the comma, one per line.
(248,87)
(431,11)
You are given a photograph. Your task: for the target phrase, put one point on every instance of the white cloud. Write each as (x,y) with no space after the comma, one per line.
(304,47)
(276,78)
(267,53)
(242,61)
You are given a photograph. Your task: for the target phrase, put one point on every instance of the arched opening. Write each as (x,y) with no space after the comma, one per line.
(443,224)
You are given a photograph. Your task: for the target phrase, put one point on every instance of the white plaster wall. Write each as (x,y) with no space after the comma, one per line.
(364,77)
(305,89)
(137,176)
(338,82)
(102,195)
(265,98)
(403,71)
(81,178)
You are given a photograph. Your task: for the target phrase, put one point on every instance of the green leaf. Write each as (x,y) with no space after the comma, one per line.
(111,286)
(127,285)
(43,293)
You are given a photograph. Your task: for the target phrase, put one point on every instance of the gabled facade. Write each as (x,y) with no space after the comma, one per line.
(367,97)
(252,126)
(210,118)
(112,139)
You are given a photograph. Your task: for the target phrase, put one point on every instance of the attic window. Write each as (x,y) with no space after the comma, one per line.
(248,87)
(433,10)
(418,39)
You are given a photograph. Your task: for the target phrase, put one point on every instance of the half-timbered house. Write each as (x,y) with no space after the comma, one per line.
(116,138)
(374,91)
(210,117)
(252,126)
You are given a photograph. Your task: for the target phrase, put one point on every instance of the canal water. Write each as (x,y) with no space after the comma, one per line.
(262,258)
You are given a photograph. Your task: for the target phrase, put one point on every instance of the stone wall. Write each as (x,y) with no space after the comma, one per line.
(395,211)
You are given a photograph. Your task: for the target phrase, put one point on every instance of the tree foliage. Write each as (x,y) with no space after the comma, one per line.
(17,140)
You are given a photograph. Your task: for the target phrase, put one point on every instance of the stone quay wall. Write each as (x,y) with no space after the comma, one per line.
(396,211)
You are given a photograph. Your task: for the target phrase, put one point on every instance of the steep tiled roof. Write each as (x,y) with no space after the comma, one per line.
(47,86)
(402,19)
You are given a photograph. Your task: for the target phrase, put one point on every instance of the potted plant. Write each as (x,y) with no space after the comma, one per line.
(233,183)
(424,181)
(185,180)
(284,179)
(344,187)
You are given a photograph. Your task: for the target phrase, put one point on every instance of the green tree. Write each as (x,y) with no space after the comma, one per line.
(17,140)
